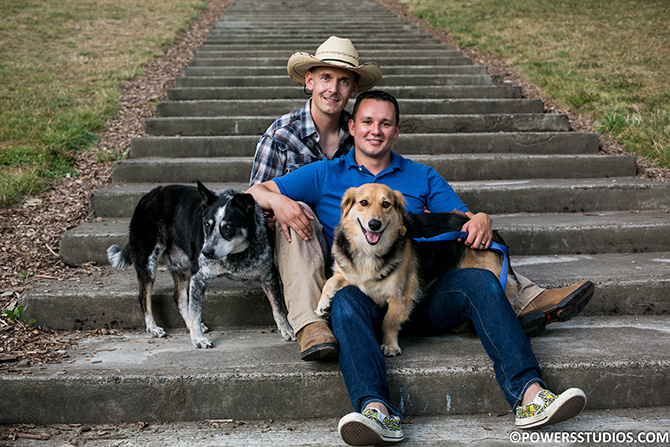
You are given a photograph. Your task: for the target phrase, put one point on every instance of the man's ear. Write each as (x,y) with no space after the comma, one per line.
(309,80)
(354,91)
(351,126)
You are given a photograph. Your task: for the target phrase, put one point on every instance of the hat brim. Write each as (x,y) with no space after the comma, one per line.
(300,63)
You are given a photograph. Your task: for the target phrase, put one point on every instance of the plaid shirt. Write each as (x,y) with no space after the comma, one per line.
(291,142)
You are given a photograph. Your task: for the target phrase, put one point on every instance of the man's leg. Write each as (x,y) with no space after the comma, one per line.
(475,295)
(356,323)
(537,307)
(302,269)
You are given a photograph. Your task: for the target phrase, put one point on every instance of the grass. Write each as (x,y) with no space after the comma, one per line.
(605,59)
(61,65)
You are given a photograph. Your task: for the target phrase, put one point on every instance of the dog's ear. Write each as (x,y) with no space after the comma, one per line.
(400,202)
(348,200)
(208,197)
(245,202)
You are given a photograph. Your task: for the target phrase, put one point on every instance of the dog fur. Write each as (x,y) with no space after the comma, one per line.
(374,250)
(199,235)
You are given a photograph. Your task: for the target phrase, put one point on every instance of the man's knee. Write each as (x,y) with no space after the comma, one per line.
(349,303)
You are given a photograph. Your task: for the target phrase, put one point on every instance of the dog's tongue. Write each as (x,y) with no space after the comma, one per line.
(372,237)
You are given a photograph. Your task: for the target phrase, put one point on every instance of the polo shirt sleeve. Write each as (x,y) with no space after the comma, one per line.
(441,197)
(303,184)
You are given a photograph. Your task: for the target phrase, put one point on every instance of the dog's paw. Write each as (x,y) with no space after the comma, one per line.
(287,333)
(204,328)
(156,332)
(202,343)
(391,350)
(323,308)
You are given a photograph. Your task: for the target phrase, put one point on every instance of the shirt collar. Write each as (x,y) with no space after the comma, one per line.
(396,162)
(308,127)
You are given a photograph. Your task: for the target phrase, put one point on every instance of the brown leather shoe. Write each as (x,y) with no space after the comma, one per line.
(555,305)
(317,342)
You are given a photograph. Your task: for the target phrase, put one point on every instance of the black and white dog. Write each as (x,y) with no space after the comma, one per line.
(200,235)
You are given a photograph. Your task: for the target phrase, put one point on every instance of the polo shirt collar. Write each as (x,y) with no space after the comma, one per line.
(396,163)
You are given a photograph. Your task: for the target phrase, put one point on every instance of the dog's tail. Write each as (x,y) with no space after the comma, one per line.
(119,259)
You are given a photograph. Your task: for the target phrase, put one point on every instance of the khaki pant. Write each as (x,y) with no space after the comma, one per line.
(302,268)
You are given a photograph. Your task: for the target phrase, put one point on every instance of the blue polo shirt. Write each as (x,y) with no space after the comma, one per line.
(322,184)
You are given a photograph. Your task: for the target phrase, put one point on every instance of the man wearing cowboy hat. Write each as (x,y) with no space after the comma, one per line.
(319,130)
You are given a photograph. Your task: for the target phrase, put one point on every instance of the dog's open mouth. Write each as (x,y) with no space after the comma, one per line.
(371,236)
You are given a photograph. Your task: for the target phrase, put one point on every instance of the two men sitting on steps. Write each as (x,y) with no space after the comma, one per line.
(323,130)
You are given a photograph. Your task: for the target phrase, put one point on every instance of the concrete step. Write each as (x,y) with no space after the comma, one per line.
(644,426)
(389,80)
(626,284)
(256,125)
(256,375)
(470,167)
(529,234)
(537,143)
(369,45)
(270,61)
(370,55)
(493,197)
(278,107)
(426,92)
(280,70)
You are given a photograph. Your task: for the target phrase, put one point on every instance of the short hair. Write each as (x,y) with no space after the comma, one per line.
(379,95)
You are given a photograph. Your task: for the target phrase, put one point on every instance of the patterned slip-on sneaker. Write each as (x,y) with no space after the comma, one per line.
(370,428)
(549,408)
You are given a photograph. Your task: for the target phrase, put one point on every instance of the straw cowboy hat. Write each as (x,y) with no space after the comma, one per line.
(338,53)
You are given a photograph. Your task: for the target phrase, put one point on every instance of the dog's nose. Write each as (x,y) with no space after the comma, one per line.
(207,252)
(374,224)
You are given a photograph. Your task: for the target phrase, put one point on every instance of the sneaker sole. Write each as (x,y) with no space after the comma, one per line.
(360,432)
(535,322)
(568,405)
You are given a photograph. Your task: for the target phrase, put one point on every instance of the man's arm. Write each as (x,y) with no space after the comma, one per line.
(269,162)
(289,213)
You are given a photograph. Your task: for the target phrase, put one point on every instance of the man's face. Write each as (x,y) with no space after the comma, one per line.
(331,89)
(374,128)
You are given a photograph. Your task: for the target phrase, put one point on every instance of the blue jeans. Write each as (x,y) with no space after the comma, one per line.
(455,298)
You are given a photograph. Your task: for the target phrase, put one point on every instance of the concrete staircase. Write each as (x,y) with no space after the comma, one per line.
(568,212)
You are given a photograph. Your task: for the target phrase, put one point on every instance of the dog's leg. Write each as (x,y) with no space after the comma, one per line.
(397,313)
(270,285)
(197,289)
(146,287)
(332,286)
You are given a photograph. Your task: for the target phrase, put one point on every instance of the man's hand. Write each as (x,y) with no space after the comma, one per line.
(288,213)
(291,215)
(480,231)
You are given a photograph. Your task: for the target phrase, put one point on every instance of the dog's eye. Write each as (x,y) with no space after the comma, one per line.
(385,204)
(208,225)
(363,203)
(226,228)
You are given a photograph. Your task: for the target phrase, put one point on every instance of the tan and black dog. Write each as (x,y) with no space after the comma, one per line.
(374,250)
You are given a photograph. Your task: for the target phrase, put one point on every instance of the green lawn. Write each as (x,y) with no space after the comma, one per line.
(606,59)
(61,64)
